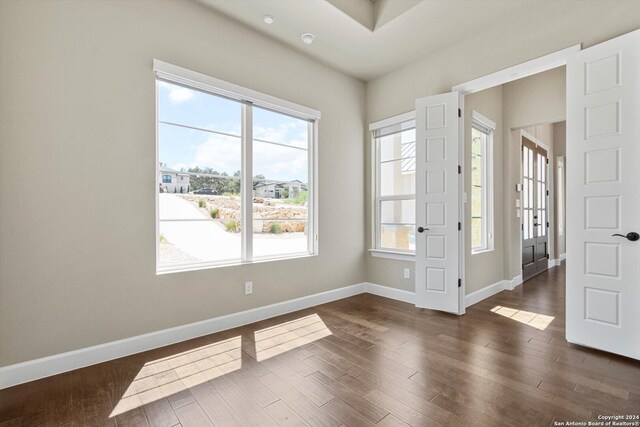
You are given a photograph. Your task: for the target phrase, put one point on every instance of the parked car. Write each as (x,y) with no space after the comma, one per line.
(205,191)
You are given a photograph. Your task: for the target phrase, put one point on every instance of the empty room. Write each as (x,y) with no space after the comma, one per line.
(319,213)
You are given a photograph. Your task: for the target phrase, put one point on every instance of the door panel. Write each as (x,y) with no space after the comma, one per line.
(603,136)
(437,202)
(535,225)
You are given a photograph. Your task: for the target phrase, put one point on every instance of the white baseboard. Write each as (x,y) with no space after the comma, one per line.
(393,293)
(486,292)
(39,368)
(557,262)
(513,283)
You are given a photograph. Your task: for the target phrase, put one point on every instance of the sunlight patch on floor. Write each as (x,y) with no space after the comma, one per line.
(536,320)
(170,375)
(286,336)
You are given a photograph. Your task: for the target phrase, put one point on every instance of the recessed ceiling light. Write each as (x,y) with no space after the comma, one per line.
(268,19)
(307,38)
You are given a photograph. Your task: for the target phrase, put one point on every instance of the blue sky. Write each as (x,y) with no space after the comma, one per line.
(183,148)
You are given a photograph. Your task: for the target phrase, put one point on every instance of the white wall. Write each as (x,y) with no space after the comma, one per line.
(77,105)
(485,268)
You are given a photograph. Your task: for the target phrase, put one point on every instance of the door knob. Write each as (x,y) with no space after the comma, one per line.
(422,229)
(633,236)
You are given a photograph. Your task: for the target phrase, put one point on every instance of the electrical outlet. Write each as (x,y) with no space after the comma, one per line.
(407,273)
(248,288)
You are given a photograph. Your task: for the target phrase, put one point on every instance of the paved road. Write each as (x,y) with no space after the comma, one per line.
(207,241)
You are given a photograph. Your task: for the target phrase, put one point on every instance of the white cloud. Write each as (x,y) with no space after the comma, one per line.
(178,94)
(280,134)
(222,153)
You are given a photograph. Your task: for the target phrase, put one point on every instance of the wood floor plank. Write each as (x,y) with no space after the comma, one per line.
(391,421)
(192,415)
(160,413)
(218,411)
(399,409)
(284,415)
(364,407)
(311,391)
(132,418)
(240,401)
(311,413)
(346,414)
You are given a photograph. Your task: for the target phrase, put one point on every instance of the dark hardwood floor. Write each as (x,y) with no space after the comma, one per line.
(360,361)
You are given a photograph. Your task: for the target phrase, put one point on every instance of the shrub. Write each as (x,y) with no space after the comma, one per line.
(232,226)
(275,228)
(300,200)
(201,203)
(215,213)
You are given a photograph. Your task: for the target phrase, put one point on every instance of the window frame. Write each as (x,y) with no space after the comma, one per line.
(248,98)
(486,126)
(403,122)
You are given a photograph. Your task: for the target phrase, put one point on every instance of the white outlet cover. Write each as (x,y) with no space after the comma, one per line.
(407,273)
(248,288)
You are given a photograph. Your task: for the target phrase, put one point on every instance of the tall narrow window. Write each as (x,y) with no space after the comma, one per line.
(235,174)
(280,178)
(395,199)
(481,184)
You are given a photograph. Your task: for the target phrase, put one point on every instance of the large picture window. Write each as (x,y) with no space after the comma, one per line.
(481,184)
(395,176)
(235,174)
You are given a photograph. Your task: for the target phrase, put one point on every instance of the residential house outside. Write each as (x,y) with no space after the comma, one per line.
(278,189)
(173,181)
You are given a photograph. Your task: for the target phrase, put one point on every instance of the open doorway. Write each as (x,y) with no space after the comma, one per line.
(513,136)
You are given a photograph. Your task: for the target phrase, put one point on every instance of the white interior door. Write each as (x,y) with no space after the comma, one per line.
(603,196)
(437,202)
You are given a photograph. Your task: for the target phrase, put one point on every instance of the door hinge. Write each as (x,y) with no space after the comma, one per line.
(547,192)
(522,227)
(459,283)
(459,169)
(459,112)
(459,226)
(547,224)
(547,256)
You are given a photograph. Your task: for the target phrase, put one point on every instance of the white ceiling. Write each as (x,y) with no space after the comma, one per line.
(366,39)
(346,44)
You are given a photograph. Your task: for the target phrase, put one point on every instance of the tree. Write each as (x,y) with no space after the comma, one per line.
(220,183)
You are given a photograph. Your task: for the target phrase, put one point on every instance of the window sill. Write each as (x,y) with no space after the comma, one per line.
(481,251)
(399,256)
(185,268)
